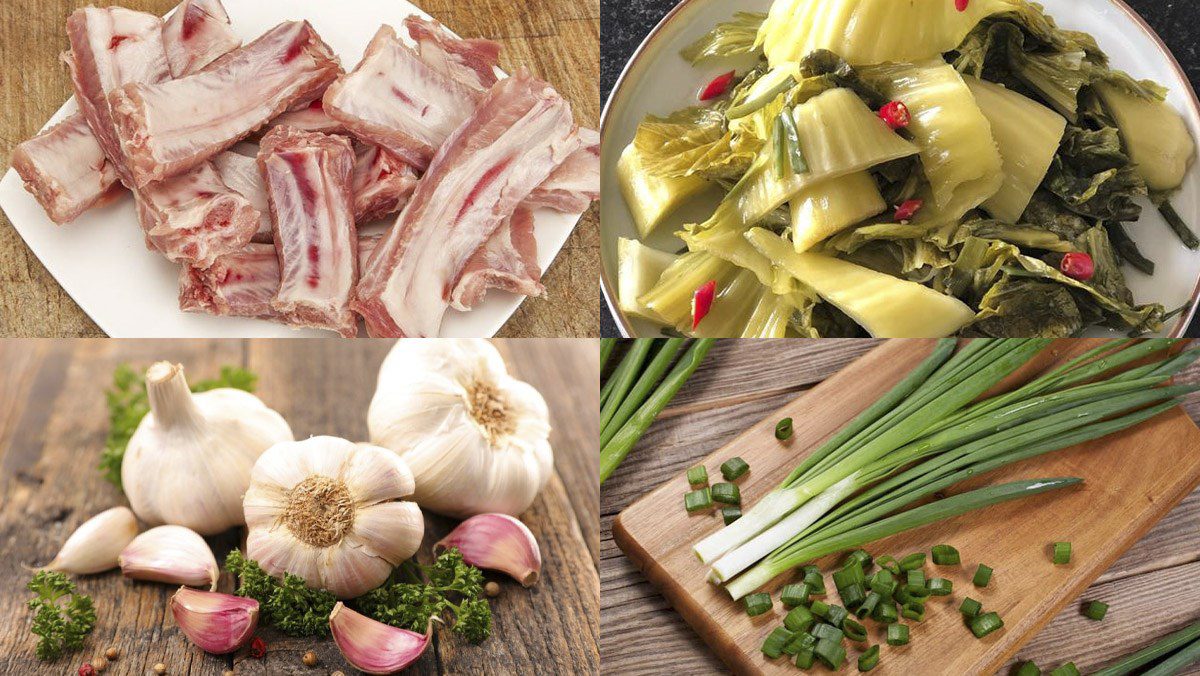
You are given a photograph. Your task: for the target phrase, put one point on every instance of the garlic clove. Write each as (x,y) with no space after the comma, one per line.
(497,542)
(352,572)
(217,623)
(392,530)
(95,545)
(374,647)
(171,554)
(374,474)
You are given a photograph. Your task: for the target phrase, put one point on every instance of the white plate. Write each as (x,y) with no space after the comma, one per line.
(101,258)
(657,80)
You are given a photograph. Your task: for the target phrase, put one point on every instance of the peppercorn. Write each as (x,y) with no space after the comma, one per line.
(310,659)
(100,664)
(160,668)
(112,653)
(228,672)
(337,673)
(492,589)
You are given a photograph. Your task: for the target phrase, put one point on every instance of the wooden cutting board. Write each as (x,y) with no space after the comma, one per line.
(1132,479)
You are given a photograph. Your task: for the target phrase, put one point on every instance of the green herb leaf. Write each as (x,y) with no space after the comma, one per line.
(289,605)
(62,617)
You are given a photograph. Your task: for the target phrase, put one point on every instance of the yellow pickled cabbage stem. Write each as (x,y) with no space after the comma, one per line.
(827,208)
(639,268)
(867,32)
(652,199)
(886,306)
(771,316)
(671,298)
(731,308)
(1027,135)
(1155,136)
(958,152)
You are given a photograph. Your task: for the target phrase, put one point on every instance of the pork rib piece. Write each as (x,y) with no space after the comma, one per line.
(573,186)
(240,173)
(196,34)
(166,129)
(112,47)
(308,176)
(395,100)
(195,217)
(382,183)
(240,284)
(472,62)
(65,169)
(508,261)
(519,134)
(309,117)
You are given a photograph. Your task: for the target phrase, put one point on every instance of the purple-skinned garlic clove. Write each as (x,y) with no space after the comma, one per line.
(497,542)
(217,623)
(171,554)
(374,647)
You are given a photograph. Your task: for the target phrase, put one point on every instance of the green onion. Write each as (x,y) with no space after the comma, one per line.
(726,493)
(1095,610)
(794,595)
(734,468)
(883,582)
(897,634)
(815,582)
(798,619)
(851,574)
(1167,644)
(982,625)
(983,575)
(1062,553)
(800,641)
(970,607)
(872,601)
(912,561)
(861,557)
(886,612)
(755,103)
(1028,669)
(913,611)
(612,419)
(826,632)
(820,609)
(773,645)
(783,429)
(853,596)
(625,377)
(757,604)
(945,555)
(940,586)
(837,615)
(698,476)
(869,659)
(606,349)
(1068,669)
(695,501)
(730,514)
(888,563)
(806,658)
(915,580)
(1174,664)
(830,652)
(854,631)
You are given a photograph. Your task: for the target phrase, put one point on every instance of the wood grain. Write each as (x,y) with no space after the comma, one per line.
(54,423)
(557,39)
(642,631)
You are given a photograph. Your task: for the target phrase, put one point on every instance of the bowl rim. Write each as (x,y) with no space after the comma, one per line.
(608,287)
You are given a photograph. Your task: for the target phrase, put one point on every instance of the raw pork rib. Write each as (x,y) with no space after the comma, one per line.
(508,261)
(111,47)
(308,182)
(309,117)
(519,134)
(198,33)
(395,100)
(472,62)
(382,183)
(240,284)
(573,186)
(195,217)
(65,168)
(168,128)
(240,173)
(366,246)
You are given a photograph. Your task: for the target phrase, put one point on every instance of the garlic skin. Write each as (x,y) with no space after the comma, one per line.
(329,510)
(476,439)
(497,542)
(171,554)
(374,647)
(217,623)
(188,463)
(95,545)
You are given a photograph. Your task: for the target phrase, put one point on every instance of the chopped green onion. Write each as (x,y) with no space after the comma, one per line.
(869,659)
(734,468)
(914,611)
(726,493)
(945,555)
(913,561)
(915,580)
(830,652)
(1095,610)
(837,615)
(802,640)
(940,586)
(851,574)
(869,604)
(903,595)
(854,631)
(757,604)
(888,563)
(1068,669)
(1062,553)
(861,556)
(798,619)
(806,658)
(883,582)
(794,595)
(698,476)
(897,634)
(826,632)
(983,575)
(730,514)
(773,645)
(854,595)
(695,501)
(815,582)
(820,609)
(970,607)
(982,625)
(1028,669)
(783,429)
(886,612)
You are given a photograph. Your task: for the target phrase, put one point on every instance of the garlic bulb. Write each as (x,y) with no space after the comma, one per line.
(329,510)
(476,439)
(94,546)
(171,554)
(188,463)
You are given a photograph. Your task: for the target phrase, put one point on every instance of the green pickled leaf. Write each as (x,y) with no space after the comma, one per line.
(692,141)
(1023,307)
(729,38)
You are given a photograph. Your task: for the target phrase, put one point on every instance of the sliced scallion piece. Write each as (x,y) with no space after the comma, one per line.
(773,645)
(847,576)
(820,609)
(970,607)
(915,580)
(1095,610)
(757,604)
(986,623)
(888,563)
(730,514)
(913,561)
(872,601)
(854,630)
(1068,669)
(913,611)
(815,582)
(734,468)
(861,557)
(801,640)
(853,596)
(837,615)
(726,494)
(897,634)
(1028,669)
(869,659)
(827,632)
(783,429)
(698,476)
(806,658)
(695,501)
(940,586)
(883,582)
(831,653)
(886,612)
(794,595)
(945,555)
(983,575)
(798,619)
(1062,553)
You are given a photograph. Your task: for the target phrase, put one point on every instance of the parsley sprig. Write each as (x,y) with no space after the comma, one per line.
(288,604)
(414,593)
(62,617)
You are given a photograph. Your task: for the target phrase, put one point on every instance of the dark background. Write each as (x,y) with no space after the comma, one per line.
(624,23)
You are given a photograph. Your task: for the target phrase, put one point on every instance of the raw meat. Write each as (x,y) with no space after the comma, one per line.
(308,176)
(195,217)
(382,183)
(240,173)
(472,62)
(573,186)
(366,246)
(240,284)
(65,168)
(519,134)
(196,34)
(508,261)
(309,117)
(168,128)
(112,47)
(395,100)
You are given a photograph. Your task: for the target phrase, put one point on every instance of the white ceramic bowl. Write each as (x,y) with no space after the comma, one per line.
(657,80)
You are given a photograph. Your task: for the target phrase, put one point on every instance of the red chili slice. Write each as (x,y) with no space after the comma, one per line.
(717,86)
(961,5)
(895,114)
(702,302)
(908,209)
(1078,266)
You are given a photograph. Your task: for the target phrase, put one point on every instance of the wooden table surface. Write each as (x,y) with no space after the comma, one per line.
(557,39)
(52,427)
(1151,589)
